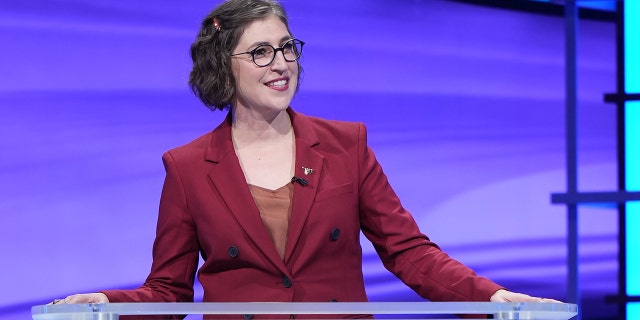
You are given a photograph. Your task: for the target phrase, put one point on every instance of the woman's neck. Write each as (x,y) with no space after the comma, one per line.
(250,126)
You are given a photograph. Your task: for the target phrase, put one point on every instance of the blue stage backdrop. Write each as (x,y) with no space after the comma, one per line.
(464,106)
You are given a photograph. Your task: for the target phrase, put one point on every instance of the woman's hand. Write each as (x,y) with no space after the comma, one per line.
(83,298)
(508,296)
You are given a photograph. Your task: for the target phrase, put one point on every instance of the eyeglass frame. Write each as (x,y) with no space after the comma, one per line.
(275,52)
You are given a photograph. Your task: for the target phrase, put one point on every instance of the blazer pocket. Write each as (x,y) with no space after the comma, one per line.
(342,189)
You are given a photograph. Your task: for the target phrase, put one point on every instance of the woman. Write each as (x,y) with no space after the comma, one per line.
(274,200)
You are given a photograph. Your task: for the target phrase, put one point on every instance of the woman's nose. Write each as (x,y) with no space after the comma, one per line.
(279,63)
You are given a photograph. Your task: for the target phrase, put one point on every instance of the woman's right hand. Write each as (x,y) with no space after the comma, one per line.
(83,298)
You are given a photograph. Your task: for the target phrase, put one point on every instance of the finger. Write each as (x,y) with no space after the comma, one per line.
(75,298)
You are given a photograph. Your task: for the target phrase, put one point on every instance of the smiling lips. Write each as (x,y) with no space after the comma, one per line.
(281,84)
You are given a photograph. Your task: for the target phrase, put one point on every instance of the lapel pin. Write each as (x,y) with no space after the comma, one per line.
(307,171)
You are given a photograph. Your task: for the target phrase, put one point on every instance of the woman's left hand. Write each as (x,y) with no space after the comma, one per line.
(508,296)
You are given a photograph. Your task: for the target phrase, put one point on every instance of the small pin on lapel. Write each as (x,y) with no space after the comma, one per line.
(307,171)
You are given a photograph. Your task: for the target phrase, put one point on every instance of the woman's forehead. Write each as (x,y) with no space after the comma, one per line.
(268,30)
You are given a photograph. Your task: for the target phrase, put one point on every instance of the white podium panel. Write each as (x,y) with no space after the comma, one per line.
(310,310)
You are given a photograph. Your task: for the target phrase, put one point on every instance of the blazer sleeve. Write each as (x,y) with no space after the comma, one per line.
(403,249)
(175,249)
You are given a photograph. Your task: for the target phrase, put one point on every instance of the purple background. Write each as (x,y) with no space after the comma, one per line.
(464,106)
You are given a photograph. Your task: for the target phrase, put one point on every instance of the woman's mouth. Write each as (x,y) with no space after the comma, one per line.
(280,84)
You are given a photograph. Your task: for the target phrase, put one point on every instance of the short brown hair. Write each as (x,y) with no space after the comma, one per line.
(211,78)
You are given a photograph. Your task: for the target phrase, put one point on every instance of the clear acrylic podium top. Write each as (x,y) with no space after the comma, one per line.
(314,310)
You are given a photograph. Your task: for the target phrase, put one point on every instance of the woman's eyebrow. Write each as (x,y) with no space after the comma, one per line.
(259,43)
(286,38)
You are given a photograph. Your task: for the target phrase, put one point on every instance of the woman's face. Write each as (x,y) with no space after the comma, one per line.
(263,89)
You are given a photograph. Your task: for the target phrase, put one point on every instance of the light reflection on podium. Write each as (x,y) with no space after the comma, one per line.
(310,310)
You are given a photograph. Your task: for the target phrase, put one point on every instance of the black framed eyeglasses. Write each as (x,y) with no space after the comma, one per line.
(264,54)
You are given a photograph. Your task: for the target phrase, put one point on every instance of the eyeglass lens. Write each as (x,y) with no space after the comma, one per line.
(264,54)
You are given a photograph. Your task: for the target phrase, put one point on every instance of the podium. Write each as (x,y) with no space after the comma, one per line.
(310,310)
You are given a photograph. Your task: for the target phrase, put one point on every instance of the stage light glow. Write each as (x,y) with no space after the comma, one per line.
(633,310)
(632,151)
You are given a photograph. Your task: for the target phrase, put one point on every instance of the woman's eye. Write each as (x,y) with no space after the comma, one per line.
(260,52)
(288,47)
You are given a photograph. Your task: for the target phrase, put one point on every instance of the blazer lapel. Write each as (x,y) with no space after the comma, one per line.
(229,181)
(308,165)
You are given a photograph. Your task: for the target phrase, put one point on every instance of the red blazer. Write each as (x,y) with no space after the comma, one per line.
(206,208)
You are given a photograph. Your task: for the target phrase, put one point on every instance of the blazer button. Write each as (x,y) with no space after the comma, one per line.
(248,316)
(233,251)
(286,282)
(335,234)
(333,300)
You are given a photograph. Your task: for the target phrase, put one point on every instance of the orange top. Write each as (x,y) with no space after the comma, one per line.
(275,211)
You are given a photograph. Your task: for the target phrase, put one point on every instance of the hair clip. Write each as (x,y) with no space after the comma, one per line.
(216,24)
